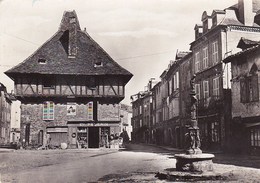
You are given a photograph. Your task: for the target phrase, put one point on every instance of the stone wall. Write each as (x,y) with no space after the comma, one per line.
(33,114)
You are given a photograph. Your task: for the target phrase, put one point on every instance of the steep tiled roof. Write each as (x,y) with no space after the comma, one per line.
(69,53)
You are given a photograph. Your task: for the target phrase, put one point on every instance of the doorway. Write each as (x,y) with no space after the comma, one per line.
(93,137)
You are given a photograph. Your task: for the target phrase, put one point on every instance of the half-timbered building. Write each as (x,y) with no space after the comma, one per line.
(70,90)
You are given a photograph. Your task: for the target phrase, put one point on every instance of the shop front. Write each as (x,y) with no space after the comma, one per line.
(91,135)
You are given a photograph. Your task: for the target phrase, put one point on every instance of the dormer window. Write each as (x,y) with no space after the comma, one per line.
(98,64)
(205,26)
(42,61)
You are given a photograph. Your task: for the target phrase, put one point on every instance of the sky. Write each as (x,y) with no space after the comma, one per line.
(142,36)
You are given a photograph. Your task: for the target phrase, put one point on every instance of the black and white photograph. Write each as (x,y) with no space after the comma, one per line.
(129,91)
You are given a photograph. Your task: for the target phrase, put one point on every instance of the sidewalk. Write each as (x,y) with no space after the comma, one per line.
(4,150)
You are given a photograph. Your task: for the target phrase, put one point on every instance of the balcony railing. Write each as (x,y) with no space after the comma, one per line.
(212,101)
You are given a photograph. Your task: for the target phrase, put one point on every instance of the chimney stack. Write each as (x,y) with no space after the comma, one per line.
(246,14)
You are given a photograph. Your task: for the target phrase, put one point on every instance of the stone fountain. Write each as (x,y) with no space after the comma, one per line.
(193,160)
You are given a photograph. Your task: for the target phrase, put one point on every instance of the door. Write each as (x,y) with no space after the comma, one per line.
(27,134)
(93,136)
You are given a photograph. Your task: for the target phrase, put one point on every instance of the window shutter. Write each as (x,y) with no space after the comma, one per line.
(243,92)
(255,91)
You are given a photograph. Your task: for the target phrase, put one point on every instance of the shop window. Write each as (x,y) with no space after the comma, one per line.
(255,137)
(214,132)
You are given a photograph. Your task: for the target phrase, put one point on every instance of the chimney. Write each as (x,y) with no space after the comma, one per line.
(70,26)
(246,14)
(198,31)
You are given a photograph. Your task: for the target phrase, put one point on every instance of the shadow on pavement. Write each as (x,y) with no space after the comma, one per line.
(147,148)
(220,158)
(238,160)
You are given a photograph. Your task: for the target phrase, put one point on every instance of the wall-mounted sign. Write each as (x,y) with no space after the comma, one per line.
(71,109)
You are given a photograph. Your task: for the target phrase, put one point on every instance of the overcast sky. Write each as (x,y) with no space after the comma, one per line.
(141,35)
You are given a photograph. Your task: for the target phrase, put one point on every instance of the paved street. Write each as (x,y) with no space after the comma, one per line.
(82,165)
(138,163)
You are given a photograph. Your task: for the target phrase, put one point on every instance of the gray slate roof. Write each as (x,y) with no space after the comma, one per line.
(58,62)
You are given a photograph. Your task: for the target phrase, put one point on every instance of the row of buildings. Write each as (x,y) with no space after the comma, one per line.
(9,117)
(228,104)
(70,91)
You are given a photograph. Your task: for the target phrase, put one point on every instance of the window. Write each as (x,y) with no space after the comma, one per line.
(90,111)
(249,89)
(42,61)
(197,90)
(205,57)
(140,109)
(170,87)
(141,123)
(255,137)
(216,87)
(205,89)
(215,52)
(3,132)
(214,132)
(197,62)
(48,111)
(98,64)
(177,80)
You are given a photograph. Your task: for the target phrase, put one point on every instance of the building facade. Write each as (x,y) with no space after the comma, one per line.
(5,115)
(245,97)
(215,39)
(125,123)
(15,119)
(70,90)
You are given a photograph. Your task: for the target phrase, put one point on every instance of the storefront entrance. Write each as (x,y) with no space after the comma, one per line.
(93,137)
